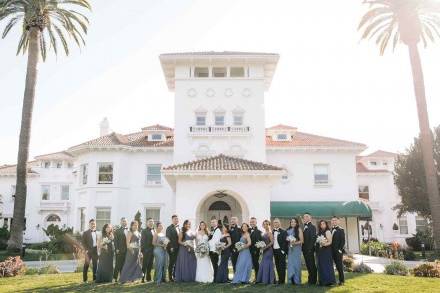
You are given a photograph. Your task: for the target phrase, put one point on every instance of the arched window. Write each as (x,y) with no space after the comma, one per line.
(219,206)
(53,218)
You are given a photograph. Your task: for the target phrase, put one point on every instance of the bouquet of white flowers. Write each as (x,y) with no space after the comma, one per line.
(202,249)
(164,241)
(321,240)
(239,245)
(291,239)
(105,242)
(260,245)
(219,247)
(134,245)
(189,244)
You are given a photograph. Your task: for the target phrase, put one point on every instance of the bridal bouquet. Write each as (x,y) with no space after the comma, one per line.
(321,240)
(239,246)
(164,241)
(219,247)
(260,245)
(105,242)
(291,239)
(202,249)
(134,245)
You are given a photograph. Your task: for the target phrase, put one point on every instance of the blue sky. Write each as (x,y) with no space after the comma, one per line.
(327,81)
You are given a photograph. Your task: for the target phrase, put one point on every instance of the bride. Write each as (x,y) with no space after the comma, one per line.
(204,272)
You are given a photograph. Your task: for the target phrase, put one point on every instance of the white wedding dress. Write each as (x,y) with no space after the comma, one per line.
(204,271)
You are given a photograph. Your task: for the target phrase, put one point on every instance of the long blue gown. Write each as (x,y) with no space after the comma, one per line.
(266,273)
(243,268)
(294,261)
(223,271)
(186,263)
(160,259)
(326,273)
(132,270)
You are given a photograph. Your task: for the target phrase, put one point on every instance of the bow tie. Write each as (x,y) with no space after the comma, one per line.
(126,228)
(276,230)
(93,231)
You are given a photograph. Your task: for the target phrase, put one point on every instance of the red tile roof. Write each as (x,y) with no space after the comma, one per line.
(157,127)
(63,155)
(223,163)
(301,139)
(281,127)
(381,153)
(11,170)
(361,168)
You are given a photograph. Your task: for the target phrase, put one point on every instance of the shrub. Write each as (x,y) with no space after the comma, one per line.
(49,269)
(377,248)
(422,236)
(11,267)
(396,268)
(362,268)
(348,262)
(60,239)
(429,269)
(409,255)
(32,271)
(4,237)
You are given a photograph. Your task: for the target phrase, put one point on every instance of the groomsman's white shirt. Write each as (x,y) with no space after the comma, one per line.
(125,231)
(215,239)
(276,245)
(94,238)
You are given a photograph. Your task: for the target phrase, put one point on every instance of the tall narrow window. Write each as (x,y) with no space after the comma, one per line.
(219,71)
(421,224)
(201,72)
(238,120)
(59,165)
(84,173)
(219,119)
(154,176)
(237,72)
(153,213)
(65,192)
(103,216)
(105,173)
(46,165)
(403,225)
(45,192)
(201,120)
(364,192)
(321,174)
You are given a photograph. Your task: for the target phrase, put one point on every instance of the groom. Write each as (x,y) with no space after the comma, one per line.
(214,238)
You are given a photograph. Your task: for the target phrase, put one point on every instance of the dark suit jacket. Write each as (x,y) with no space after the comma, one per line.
(171,234)
(309,238)
(120,241)
(255,237)
(147,240)
(338,239)
(282,240)
(87,240)
(235,233)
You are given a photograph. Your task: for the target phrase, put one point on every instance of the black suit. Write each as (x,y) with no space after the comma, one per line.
(280,254)
(173,249)
(235,233)
(338,243)
(121,250)
(308,249)
(147,252)
(256,236)
(91,253)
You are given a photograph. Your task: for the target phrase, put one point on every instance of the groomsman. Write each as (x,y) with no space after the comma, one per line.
(235,232)
(308,248)
(338,243)
(120,243)
(172,234)
(256,235)
(280,250)
(214,238)
(147,250)
(90,244)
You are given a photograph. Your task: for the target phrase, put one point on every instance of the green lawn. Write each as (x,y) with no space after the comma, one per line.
(71,282)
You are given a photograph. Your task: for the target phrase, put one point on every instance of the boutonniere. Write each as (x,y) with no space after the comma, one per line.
(306,227)
(333,231)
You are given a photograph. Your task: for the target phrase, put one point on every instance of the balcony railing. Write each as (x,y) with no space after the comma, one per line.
(219,130)
(54,205)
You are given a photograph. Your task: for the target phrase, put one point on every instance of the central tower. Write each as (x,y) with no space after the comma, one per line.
(219,103)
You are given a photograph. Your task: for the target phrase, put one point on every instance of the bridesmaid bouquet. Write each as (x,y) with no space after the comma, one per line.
(134,245)
(260,245)
(291,239)
(164,242)
(189,244)
(105,242)
(321,240)
(202,249)
(219,247)
(239,246)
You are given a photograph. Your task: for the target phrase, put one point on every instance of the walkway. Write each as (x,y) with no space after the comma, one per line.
(378,263)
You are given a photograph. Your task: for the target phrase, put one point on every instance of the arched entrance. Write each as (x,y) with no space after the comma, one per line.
(220,205)
(52,219)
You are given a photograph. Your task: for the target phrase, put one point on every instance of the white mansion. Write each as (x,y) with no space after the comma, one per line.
(218,160)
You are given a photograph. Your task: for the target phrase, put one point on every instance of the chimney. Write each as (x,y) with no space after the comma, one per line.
(104,127)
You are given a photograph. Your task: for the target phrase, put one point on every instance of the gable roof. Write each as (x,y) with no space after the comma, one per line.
(281,127)
(223,163)
(11,170)
(63,155)
(381,153)
(361,168)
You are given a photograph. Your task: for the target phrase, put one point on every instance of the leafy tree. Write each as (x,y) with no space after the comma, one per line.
(410,22)
(409,177)
(44,24)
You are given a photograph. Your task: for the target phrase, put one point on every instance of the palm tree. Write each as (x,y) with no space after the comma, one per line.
(43,23)
(409,22)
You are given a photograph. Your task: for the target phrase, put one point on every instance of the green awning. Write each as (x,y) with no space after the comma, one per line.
(287,209)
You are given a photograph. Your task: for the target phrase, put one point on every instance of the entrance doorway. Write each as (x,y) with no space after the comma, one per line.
(221,211)
(221,206)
